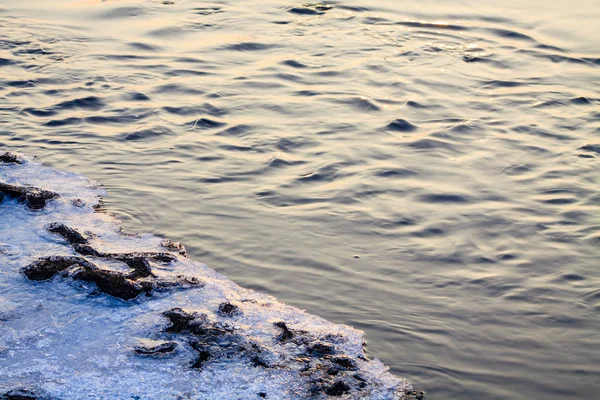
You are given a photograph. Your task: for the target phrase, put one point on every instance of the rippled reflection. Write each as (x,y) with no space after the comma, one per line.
(425,171)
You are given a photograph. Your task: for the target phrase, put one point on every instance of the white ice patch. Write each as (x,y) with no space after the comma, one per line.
(62,340)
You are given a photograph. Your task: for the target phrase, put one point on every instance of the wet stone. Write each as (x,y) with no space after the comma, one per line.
(139,262)
(286,334)
(259,362)
(175,247)
(10,158)
(151,347)
(320,349)
(18,394)
(112,283)
(345,362)
(183,321)
(195,323)
(86,250)
(414,395)
(180,281)
(46,268)
(72,236)
(203,356)
(338,389)
(116,284)
(31,197)
(228,309)
(213,340)
(329,372)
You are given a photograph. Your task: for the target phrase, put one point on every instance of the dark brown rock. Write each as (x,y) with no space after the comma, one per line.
(139,262)
(320,349)
(338,389)
(155,348)
(46,268)
(286,333)
(175,247)
(184,321)
(33,198)
(414,395)
(345,362)
(72,236)
(110,282)
(117,284)
(10,158)
(203,356)
(228,309)
(18,394)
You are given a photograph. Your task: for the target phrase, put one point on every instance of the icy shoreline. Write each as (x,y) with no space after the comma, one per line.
(89,312)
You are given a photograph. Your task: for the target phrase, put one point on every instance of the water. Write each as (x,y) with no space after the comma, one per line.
(424,171)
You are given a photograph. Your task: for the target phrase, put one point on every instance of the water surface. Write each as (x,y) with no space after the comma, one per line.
(425,171)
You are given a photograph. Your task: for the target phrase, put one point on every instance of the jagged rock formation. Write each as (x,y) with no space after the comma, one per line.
(32,197)
(124,285)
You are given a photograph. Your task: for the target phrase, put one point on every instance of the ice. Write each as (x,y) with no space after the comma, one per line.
(65,339)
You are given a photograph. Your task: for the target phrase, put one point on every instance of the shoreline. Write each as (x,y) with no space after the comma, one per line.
(201,322)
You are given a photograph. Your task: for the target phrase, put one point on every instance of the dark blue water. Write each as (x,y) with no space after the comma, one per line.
(425,171)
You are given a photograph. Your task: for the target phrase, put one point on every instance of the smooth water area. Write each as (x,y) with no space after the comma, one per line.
(424,171)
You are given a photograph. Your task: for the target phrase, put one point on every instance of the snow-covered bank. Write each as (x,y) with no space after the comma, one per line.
(87,311)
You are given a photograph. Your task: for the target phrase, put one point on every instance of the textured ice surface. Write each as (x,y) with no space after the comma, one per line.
(63,339)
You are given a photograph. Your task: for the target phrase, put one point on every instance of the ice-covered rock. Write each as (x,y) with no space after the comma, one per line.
(88,312)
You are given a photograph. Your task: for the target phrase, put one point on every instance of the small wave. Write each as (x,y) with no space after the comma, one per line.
(146,134)
(250,46)
(401,125)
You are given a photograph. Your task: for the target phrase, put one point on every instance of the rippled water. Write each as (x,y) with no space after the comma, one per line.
(425,171)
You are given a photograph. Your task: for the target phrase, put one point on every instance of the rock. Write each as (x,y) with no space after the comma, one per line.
(212,340)
(33,198)
(414,395)
(18,394)
(71,235)
(320,349)
(46,268)
(228,309)
(174,247)
(180,281)
(138,261)
(259,362)
(286,334)
(112,283)
(182,321)
(116,284)
(125,286)
(345,362)
(203,356)
(154,347)
(338,389)
(10,158)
